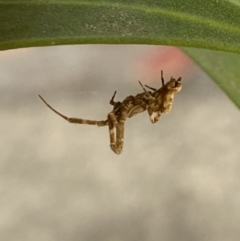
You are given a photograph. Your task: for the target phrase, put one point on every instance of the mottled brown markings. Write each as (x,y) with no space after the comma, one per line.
(156,102)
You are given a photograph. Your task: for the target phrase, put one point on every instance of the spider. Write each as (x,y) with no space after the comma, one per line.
(155,101)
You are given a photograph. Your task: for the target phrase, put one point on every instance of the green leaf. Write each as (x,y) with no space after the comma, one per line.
(208,24)
(200,23)
(222,67)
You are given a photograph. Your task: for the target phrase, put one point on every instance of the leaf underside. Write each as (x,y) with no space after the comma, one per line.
(208,24)
(222,67)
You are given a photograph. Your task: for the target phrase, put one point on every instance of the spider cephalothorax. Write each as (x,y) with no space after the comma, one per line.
(165,95)
(174,85)
(156,102)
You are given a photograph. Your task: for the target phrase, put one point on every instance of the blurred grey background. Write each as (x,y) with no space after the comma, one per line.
(175,180)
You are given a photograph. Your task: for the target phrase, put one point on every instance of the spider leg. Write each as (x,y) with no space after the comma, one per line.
(135,110)
(117,140)
(112,102)
(151,88)
(112,119)
(120,137)
(75,120)
(111,125)
(143,87)
(162,78)
(146,92)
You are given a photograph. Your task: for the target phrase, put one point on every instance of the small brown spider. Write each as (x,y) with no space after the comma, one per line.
(156,102)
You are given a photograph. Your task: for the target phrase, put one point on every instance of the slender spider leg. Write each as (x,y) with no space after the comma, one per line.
(146,92)
(162,78)
(75,120)
(112,102)
(151,88)
(116,105)
(143,87)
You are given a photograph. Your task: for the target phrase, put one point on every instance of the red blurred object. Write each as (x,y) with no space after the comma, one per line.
(171,60)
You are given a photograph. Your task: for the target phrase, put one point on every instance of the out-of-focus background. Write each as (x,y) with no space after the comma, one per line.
(178,179)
